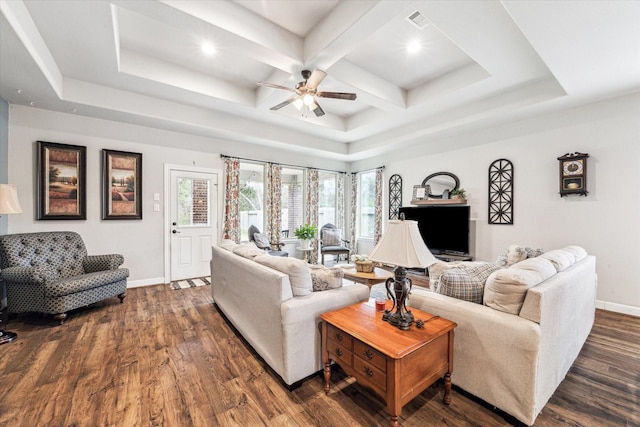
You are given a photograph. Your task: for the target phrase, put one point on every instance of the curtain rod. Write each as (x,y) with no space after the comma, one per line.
(224,156)
(371,169)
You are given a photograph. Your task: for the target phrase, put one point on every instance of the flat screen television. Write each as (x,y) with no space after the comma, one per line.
(444,229)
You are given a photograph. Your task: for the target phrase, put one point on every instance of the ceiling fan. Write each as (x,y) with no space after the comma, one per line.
(307,91)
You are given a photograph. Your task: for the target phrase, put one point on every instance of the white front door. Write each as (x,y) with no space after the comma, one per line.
(193,220)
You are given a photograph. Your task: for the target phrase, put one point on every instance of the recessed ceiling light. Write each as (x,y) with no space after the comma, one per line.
(414,46)
(208,48)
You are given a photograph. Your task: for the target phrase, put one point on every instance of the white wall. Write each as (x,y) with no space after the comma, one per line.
(606,222)
(140,241)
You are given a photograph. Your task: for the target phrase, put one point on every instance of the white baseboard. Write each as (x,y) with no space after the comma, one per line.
(145,282)
(618,308)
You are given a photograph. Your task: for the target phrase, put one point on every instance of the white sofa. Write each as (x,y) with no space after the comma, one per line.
(516,361)
(282,328)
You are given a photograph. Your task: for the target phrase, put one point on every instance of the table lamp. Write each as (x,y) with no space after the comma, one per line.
(9,204)
(401,246)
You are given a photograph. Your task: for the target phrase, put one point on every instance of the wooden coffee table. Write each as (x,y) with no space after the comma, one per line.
(398,365)
(378,275)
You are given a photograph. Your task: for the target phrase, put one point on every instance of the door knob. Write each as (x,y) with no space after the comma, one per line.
(175,231)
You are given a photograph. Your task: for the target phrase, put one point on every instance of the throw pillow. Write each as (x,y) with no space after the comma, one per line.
(296,269)
(506,289)
(436,270)
(323,278)
(332,237)
(227,244)
(262,241)
(516,253)
(577,252)
(247,250)
(560,258)
(466,282)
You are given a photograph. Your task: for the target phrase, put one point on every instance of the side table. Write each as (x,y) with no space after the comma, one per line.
(305,252)
(397,365)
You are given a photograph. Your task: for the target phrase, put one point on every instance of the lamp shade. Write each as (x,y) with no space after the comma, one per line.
(9,203)
(402,245)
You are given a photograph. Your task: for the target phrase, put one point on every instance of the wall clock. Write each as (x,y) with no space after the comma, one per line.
(573,174)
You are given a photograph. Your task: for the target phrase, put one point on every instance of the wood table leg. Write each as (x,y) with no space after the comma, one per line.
(327,375)
(393,421)
(447,388)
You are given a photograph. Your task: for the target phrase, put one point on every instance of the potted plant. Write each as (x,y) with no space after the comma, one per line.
(362,263)
(305,233)
(458,193)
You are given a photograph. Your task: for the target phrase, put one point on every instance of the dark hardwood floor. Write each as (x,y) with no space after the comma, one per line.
(168,358)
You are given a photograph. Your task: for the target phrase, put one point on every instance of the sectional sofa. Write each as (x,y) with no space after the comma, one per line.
(515,345)
(271,302)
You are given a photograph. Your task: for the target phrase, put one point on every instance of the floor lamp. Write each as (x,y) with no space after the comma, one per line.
(401,246)
(9,204)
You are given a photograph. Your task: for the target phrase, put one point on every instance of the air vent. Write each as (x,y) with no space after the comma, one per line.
(418,19)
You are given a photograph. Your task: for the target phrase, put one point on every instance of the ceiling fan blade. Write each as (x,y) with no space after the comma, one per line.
(284,103)
(337,95)
(275,86)
(315,79)
(317,109)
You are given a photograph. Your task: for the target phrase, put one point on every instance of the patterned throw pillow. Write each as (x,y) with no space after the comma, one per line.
(517,253)
(466,282)
(332,237)
(262,241)
(324,278)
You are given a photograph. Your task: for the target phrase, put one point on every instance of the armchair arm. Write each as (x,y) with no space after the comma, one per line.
(93,263)
(278,246)
(29,275)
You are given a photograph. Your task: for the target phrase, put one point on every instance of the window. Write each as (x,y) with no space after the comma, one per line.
(327,188)
(251,198)
(193,202)
(366,204)
(292,200)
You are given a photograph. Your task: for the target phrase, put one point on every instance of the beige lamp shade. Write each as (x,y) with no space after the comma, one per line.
(402,245)
(9,203)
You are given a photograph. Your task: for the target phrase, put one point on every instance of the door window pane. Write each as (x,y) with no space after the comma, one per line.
(193,202)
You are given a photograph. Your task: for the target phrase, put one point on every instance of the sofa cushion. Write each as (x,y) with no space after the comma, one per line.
(323,278)
(516,253)
(248,250)
(560,258)
(505,289)
(578,252)
(466,282)
(332,237)
(297,269)
(227,244)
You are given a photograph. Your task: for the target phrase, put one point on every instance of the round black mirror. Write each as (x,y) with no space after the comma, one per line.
(439,182)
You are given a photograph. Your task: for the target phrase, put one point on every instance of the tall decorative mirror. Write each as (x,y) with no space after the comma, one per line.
(439,182)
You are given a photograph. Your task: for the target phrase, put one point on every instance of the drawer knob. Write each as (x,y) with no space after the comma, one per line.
(368,371)
(339,336)
(339,352)
(368,354)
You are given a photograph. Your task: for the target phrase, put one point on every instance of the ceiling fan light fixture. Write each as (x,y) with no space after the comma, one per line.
(308,100)
(298,103)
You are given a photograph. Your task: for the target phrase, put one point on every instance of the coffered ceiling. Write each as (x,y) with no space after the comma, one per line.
(477,64)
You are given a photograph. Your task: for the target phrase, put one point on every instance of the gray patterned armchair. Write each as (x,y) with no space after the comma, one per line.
(50,272)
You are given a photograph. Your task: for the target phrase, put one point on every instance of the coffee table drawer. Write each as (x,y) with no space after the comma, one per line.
(369,355)
(340,337)
(340,354)
(367,373)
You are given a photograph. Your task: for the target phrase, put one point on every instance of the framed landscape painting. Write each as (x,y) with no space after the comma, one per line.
(61,182)
(121,185)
